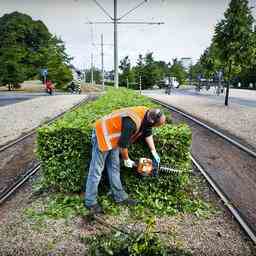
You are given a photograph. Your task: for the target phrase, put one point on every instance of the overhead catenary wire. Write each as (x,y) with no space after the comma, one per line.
(134,8)
(116,21)
(103,9)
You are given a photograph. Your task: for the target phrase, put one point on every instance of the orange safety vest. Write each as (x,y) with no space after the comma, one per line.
(108,128)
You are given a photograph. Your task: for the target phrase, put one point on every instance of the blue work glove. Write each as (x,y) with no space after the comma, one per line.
(156,157)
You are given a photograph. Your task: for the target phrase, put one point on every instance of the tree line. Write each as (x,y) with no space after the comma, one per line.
(26,47)
(149,71)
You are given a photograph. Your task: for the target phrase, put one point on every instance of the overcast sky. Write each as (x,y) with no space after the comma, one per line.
(188,28)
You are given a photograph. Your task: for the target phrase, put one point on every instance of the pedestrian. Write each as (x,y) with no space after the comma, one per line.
(72,87)
(112,135)
(49,87)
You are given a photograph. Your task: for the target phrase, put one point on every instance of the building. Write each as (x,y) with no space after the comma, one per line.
(186,62)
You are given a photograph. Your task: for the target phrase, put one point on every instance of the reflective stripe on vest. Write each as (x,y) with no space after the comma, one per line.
(108,128)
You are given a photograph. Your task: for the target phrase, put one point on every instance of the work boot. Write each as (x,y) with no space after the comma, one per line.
(95,209)
(128,202)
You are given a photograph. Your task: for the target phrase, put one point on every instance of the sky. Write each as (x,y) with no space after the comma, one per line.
(187,30)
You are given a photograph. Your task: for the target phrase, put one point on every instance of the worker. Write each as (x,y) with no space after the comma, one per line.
(112,135)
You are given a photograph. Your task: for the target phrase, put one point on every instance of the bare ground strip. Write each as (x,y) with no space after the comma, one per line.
(233,170)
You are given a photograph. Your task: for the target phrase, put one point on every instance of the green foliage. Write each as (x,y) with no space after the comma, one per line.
(210,62)
(26,46)
(11,68)
(146,243)
(97,75)
(20,38)
(150,71)
(55,59)
(64,149)
(56,207)
(127,73)
(177,70)
(235,40)
(233,47)
(233,34)
(164,194)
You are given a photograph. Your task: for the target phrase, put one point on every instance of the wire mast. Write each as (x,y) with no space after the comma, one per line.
(115,20)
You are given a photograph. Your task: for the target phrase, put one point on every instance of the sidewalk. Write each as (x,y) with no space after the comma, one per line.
(20,118)
(239,120)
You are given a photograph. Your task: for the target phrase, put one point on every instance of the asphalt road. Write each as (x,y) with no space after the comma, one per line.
(241,100)
(7,98)
(232,99)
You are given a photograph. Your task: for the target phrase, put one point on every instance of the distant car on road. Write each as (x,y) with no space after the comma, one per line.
(155,87)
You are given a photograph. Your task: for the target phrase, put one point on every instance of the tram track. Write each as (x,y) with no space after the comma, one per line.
(21,162)
(226,164)
(246,222)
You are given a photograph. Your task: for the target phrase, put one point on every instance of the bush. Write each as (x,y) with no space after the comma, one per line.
(64,149)
(147,243)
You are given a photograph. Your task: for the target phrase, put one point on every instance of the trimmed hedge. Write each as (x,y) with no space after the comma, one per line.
(64,149)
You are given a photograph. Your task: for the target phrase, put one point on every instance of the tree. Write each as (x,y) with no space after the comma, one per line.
(127,74)
(26,46)
(210,61)
(97,75)
(55,59)
(149,70)
(195,71)
(234,39)
(177,70)
(248,73)
(12,72)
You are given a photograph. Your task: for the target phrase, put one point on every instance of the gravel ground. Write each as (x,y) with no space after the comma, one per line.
(236,119)
(20,118)
(216,235)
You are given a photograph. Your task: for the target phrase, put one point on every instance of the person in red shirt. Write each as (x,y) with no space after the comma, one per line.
(49,87)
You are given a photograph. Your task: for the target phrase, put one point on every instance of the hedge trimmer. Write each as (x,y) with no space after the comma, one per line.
(147,167)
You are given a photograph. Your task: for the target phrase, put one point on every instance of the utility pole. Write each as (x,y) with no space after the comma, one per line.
(115,20)
(115,45)
(102,63)
(102,58)
(140,84)
(92,82)
(93,45)
(85,76)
